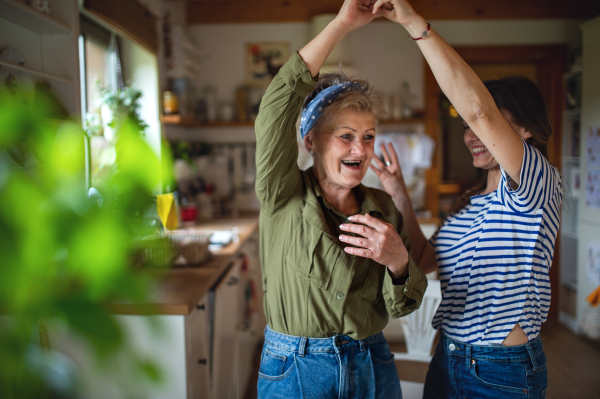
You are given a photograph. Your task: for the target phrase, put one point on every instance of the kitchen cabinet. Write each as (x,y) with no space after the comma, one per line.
(228,297)
(203,334)
(198,343)
(239,323)
(47,44)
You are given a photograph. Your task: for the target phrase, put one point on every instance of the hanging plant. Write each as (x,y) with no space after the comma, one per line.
(114,109)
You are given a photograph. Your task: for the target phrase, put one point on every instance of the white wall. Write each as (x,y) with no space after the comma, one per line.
(222,49)
(380,51)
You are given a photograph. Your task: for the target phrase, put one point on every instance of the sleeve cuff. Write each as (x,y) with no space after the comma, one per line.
(413,285)
(296,76)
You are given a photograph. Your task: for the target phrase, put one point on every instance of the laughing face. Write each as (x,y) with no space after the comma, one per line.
(482,158)
(342,157)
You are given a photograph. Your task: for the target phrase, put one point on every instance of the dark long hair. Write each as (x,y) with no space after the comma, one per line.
(519,99)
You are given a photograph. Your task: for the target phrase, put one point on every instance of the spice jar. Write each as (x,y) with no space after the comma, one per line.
(170,103)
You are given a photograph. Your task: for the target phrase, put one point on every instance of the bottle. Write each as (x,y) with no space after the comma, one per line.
(407,100)
(397,106)
(205,203)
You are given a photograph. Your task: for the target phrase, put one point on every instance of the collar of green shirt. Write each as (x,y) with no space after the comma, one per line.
(366,200)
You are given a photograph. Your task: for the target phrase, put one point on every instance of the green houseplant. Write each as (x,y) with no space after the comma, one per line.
(64,259)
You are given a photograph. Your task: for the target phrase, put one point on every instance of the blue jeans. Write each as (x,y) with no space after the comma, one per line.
(460,370)
(336,367)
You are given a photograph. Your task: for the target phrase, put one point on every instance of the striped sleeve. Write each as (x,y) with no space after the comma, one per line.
(539,183)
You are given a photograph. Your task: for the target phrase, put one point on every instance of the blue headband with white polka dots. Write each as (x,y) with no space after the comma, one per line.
(314,109)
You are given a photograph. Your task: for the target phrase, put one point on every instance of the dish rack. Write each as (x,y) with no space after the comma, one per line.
(192,245)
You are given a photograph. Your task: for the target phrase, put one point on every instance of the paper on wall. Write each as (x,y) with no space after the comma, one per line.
(592,179)
(593,262)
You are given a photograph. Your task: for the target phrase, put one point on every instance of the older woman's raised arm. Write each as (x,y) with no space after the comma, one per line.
(277,173)
(462,86)
(278,176)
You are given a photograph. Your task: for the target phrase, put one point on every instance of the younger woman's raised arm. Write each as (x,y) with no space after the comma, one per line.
(462,86)
(352,15)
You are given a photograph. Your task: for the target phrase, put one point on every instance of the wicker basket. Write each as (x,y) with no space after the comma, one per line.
(192,245)
(153,251)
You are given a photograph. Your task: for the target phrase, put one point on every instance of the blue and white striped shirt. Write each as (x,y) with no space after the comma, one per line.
(494,257)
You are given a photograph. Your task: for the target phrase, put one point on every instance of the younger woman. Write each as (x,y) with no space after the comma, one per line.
(494,252)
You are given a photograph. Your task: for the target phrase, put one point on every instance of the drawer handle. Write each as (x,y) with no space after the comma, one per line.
(201,307)
(202,361)
(233,281)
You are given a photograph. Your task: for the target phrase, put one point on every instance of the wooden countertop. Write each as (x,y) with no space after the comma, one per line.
(179,289)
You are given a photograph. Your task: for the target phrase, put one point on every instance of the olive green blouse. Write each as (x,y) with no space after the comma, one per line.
(312,287)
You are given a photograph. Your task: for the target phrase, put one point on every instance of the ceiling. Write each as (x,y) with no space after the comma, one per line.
(247,11)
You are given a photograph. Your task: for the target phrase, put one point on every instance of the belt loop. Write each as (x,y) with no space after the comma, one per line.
(468,355)
(363,345)
(302,349)
(531,356)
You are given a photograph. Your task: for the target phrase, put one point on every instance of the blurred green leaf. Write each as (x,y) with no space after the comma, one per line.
(63,258)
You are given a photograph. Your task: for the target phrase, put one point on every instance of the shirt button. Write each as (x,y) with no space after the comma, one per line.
(452,347)
(352,256)
(335,331)
(340,296)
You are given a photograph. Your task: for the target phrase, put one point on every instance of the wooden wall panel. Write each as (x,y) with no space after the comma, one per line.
(128,16)
(244,11)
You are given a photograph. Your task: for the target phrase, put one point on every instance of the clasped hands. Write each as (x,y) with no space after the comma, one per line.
(357,13)
(377,240)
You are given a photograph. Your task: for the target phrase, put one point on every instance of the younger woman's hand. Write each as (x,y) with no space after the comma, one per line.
(357,13)
(378,241)
(390,173)
(399,11)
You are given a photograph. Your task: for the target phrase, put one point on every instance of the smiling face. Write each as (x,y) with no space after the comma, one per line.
(342,157)
(482,158)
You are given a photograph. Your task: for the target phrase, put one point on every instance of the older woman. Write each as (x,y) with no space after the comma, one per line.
(495,250)
(325,307)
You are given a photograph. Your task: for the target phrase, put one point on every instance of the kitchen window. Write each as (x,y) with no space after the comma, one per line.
(97,71)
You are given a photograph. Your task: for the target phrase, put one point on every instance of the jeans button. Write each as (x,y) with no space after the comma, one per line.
(451,347)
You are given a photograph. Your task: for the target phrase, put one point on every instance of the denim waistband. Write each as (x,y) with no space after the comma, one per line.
(523,352)
(304,345)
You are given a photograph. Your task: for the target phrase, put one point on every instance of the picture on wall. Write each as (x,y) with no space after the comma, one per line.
(263,60)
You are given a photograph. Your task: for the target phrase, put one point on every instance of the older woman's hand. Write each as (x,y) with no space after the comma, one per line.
(357,13)
(378,241)
(399,11)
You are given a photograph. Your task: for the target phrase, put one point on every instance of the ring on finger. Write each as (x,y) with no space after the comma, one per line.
(388,163)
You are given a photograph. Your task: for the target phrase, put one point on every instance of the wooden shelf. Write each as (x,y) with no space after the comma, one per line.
(189,122)
(431,220)
(35,72)
(449,188)
(408,121)
(28,17)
